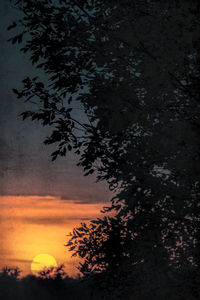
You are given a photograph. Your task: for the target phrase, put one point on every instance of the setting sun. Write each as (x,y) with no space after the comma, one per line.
(41,262)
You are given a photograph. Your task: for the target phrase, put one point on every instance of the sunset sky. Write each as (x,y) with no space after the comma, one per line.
(40,200)
(32,225)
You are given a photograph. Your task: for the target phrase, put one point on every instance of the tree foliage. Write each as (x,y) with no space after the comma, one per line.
(133,68)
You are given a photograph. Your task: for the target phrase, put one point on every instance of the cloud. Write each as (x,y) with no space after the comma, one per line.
(45,220)
(53,220)
(27,261)
(86,200)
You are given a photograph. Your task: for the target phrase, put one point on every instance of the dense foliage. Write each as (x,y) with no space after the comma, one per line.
(54,285)
(133,68)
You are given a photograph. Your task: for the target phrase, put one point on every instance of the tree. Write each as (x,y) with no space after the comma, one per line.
(133,66)
(10,273)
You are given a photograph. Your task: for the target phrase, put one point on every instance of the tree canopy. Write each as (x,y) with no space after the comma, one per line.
(133,67)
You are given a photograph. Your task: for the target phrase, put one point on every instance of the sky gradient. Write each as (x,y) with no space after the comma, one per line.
(40,200)
(32,225)
(25,162)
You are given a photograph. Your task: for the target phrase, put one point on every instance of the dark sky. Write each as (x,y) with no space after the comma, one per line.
(25,164)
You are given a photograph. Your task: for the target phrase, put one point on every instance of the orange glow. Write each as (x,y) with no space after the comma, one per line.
(41,262)
(31,225)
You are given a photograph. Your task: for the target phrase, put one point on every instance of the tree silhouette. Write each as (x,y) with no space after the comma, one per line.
(133,67)
(10,273)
